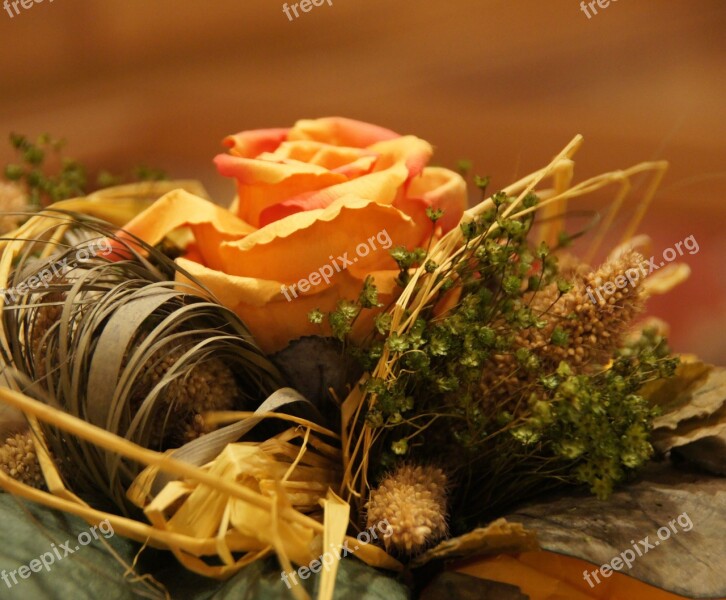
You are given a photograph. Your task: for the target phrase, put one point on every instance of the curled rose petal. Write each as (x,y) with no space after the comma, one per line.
(437,188)
(340,131)
(357,235)
(262,184)
(209,223)
(274,321)
(252,143)
(312,237)
(391,172)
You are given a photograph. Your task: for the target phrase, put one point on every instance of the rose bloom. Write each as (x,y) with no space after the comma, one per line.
(308,198)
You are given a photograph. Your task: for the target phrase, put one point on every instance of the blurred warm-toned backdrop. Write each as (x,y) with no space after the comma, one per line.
(505,83)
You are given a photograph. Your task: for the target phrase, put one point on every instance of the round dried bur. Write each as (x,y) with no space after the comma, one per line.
(412,500)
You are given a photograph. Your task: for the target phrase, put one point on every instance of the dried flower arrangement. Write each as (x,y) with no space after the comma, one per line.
(151,385)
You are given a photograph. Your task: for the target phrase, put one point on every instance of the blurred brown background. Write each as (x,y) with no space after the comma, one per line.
(501,82)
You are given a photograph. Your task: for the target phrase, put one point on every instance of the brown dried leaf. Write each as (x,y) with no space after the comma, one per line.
(497,537)
(708,453)
(674,393)
(703,416)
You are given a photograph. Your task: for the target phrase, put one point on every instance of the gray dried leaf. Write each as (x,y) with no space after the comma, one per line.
(313,365)
(689,562)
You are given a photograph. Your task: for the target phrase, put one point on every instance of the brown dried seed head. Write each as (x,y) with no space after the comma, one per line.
(592,329)
(208,386)
(18,459)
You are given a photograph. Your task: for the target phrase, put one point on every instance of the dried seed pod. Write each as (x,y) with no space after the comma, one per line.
(412,500)
(207,386)
(19,460)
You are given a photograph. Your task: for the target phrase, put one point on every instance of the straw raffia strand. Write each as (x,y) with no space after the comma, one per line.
(236,501)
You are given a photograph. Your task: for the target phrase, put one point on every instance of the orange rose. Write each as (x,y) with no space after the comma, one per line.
(318,207)
(281,172)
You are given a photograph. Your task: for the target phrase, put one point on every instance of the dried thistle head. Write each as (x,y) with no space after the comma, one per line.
(413,501)
(19,460)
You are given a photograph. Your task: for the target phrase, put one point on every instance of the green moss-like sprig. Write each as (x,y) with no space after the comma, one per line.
(47,176)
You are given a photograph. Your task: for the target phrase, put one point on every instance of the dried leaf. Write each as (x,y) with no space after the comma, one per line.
(337,515)
(689,562)
(324,358)
(703,416)
(675,392)
(708,453)
(497,537)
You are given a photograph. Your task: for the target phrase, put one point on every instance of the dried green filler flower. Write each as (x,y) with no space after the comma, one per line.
(48,177)
(520,379)
(412,500)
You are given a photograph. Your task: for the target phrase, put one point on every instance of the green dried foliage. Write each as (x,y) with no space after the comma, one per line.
(521,385)
(48,176)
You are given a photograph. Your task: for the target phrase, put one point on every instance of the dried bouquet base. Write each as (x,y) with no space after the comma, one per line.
(302,490)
